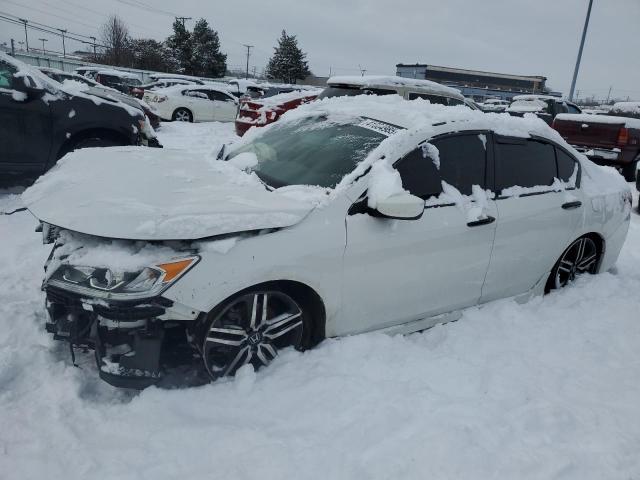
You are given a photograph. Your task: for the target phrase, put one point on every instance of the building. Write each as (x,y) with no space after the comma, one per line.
(476,84)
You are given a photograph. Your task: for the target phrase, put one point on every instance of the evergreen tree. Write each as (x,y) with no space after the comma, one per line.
(207,59)
(181,46)
(288,62)
(148,54)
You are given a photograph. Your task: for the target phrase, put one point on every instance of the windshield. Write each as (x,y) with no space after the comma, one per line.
(314,151)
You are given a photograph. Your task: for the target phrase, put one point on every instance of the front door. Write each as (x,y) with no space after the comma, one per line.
(397,271)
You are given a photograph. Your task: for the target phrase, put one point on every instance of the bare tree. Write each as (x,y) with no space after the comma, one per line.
(115,37)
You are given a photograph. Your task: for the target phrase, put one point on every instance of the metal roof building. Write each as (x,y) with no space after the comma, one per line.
(477,84)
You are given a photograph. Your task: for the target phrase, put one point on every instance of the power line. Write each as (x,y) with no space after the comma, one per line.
(147,7)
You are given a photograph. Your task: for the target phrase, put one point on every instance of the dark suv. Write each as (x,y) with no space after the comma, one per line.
(40,122)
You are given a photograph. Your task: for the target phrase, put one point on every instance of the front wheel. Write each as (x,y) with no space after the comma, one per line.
(251,329)
(582,256)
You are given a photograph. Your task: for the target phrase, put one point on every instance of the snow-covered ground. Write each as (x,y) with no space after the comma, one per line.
(547,389)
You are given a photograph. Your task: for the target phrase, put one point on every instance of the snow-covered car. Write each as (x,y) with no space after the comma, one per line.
(42,120)
(545,107)
(348,215)
(194,103)
(122,81)
(138,91)
(494,105)
(86,84)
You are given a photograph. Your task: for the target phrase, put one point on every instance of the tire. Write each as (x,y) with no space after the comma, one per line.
(182,115)
(250,328)
(92,142)
(582,256)
(629,171)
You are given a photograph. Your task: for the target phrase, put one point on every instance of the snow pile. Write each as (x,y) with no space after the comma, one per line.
(632,108)
(281,98)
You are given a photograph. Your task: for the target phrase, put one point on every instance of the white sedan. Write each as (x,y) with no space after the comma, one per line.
(194,103)
(349,215)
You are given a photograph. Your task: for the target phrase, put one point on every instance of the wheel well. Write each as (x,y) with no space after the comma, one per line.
(302,294)
(85,134)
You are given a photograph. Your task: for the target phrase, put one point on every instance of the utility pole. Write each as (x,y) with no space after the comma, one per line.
(13,48)
(609,94)
(584,35)
(183,19)
(95,55)
(362,70)
(249,47)
(64,50)
(43,49)
(26,37)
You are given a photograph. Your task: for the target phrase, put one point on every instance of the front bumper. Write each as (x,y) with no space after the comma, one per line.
(133,347)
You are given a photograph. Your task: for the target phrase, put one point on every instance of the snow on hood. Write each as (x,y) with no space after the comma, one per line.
(137,193)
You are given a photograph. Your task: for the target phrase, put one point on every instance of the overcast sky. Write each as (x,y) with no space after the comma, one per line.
(525,37)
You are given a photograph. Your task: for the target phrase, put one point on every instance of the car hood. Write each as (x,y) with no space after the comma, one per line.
(138,193)
(113,96)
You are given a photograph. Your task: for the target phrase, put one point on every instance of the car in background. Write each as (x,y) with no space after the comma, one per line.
(122,81)
(138,91)
(545,107)
(102,91)
(158,77)
(356,215)
(612,139)
(253,113)
(194,103)
(268,109)
(494,105)
(89,72)
(42,120)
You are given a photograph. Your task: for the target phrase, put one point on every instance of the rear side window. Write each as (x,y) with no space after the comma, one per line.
(455,101)
(435,99)
(524,163)
(572,109)
(379,91)
(219,96)
(463,160)
(419,174)
(566,165)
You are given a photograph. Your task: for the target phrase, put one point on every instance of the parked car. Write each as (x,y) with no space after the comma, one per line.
(260,113)
(494,105)
(543,106)
(612,139)
(194,103)
(353,215)
(138,91)
(42,121)
(89,72)
(266,110)
(102,91)
(158,77)
(122,81)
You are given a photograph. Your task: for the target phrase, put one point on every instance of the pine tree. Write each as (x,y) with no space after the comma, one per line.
(181,46)
(148,54)
(288,62)
(207,59)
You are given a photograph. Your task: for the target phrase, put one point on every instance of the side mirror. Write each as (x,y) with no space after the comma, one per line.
(403,206)
(27,85)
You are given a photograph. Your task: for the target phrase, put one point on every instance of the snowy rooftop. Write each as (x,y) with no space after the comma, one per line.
(393,81)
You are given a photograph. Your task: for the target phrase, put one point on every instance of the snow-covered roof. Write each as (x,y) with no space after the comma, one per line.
(118,73)
(177,89)
(287,97)
(382,81)
(535,97)
(626,107)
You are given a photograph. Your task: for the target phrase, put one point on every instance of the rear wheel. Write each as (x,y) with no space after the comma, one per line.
(182,115)
(582,256)
(251,329)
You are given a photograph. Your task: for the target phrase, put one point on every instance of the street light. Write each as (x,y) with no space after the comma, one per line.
(43,49)
(584,34)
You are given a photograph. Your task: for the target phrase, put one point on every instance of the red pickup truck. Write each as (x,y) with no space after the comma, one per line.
(612,139)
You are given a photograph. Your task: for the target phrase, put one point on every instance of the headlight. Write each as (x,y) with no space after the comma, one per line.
(104,282)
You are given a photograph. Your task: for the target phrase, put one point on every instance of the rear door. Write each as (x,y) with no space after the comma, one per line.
(397,271)
(536,221)
(202,107)
(25,127)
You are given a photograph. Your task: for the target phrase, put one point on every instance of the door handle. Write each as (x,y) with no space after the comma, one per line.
(483,221)
(572,205)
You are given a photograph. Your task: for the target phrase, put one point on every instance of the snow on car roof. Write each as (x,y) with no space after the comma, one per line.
(177,89)
(530,97)
(287,97)
(394,81)
(626,107)
(118,73)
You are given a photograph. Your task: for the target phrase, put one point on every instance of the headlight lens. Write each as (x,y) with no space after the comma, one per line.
(104,282)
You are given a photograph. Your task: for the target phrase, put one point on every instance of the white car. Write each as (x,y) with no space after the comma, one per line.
(348,215)
(193,103)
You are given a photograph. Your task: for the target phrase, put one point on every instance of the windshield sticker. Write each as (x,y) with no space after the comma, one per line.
(380,127)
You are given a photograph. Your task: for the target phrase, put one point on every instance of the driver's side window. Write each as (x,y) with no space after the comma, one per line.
(6,75)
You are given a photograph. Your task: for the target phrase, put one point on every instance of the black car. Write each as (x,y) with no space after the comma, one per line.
(122,81)
(545,107)
(39,122)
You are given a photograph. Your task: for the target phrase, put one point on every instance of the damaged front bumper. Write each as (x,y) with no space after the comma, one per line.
(135,341)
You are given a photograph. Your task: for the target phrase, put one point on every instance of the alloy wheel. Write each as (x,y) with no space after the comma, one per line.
(182,116)
(251,329)
(581,257)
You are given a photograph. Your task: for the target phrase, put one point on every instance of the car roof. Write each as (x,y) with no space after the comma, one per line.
(391,81)
(530,97)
